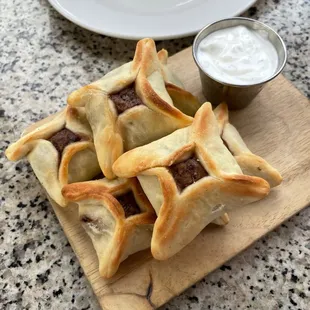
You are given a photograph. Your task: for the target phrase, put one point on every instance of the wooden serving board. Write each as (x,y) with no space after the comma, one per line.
(275,126)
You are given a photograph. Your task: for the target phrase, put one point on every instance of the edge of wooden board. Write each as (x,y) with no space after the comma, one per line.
(143,283)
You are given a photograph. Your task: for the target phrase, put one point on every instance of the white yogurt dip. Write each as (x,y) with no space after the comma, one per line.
(238,55)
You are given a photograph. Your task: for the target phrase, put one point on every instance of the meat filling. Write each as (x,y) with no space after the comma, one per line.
(63,138)
(187,172)
(125,99)
(129,204)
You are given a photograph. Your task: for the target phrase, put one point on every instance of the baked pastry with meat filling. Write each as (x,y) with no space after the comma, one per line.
(131,105)
(190,177)
(116,215)
(60,150)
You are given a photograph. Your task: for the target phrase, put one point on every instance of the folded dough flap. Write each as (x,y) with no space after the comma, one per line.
(183,217)
(72,119)
(79,163)
(116,215)
(159,153)
(139,126)
(139,219)
(151,87)
(256,166)
(221,114)
(249,163)
(233,140)
(152,187)
(45,130)
(45,163)
(150,77)
(107,139)
(169,76)
(182,99)
(238,190)
(101,227)
(209,145)
(112,238)
(43,121)
(113,81)
(138,240)
(76,121)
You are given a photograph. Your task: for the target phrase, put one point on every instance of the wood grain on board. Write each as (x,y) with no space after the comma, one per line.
(275,126)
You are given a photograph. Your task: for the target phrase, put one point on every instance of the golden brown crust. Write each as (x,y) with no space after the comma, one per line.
(24,145)
(113,133)
(143,158)
(150,65)
(97,190)
(163,56)
(102,193)
(68,153)
(182,99)
(183,214)
(250,163)
(51,168)
(41,122)
(221,114)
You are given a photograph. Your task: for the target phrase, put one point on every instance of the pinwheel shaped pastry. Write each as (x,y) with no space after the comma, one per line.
(116,215)
(60,151)
(190,177)
(130,106)
(249,163)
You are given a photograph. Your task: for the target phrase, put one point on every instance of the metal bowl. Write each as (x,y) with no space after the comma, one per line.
(236,96)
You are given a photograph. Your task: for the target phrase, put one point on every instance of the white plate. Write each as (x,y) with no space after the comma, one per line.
(157,19)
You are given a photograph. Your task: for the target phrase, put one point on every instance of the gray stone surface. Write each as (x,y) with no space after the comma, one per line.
(43,57)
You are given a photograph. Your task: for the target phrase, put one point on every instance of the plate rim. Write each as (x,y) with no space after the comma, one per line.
(65,13)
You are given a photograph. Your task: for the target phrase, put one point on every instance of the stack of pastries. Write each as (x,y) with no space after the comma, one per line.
(145,164)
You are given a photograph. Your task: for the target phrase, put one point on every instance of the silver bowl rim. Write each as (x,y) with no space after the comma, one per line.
(250,20)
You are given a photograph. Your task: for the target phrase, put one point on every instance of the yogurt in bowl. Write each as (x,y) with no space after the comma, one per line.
(236,57)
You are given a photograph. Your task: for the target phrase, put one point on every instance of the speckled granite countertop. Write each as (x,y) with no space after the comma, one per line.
(43,57)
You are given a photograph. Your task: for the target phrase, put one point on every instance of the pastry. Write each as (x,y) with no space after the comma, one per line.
(182,99)
(116,215)
(60,150)
(249,163)
(130,106)
(190,178)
